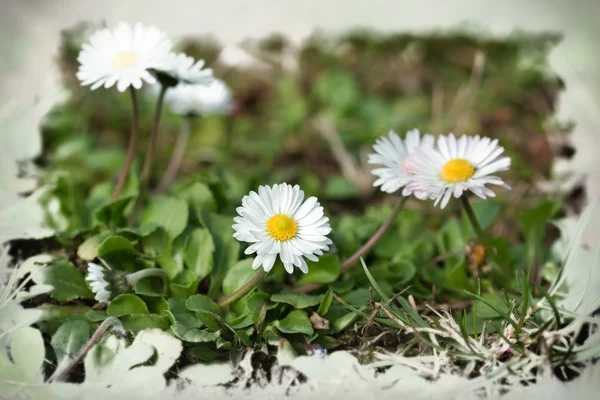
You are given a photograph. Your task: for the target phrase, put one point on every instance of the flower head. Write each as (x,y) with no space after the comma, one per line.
(214,98)
(458,165)
(278,221)
(123,55)
(182,68)
(98,282)
(395,155)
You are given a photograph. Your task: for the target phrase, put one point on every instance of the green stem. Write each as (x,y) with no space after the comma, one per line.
(243,290)
(146,273)
(147,168)
(178,153)
(112,323)
(132,146)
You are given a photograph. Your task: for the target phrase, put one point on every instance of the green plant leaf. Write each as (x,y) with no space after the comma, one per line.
(199,197)
(184,284)
(325,303)
(238,276)
(486,212)
(138,322)
(295,322)
(200,302)
(226,248)
(259,314)
(167,212)
(115,244)
(113,213)
(88,250)
(180,314)
(125,304)
(199,252)
(68,283)
(326,270)
(194,335)
(68,340)
(298,300)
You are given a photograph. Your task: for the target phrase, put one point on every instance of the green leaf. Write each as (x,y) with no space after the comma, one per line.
(88,250)
(298,300)
(138,322)
(204,353)
(199,197)
(486,212)
(113,213)
(194,335)
(326,270)
(325,303)
(157,242)
(533,224)
(226,248)
(184,285)
(115,244)
(118,252)
(167,212)
(68,283)
(151,286)
(96,316)
(200,302)
(343,322)
(169,264)
(238,276)
(259,314)
(199,252)
(125,304)
(295,322)
(180,314)
(68,340)
(340,188)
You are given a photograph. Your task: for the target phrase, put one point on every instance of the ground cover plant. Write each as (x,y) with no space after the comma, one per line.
(312,202)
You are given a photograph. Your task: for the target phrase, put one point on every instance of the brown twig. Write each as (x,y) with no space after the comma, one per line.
(108,323)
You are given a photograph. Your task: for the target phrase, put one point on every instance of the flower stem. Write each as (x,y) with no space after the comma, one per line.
(243,290)
(375,238)
(146,273)
(112,323)
(177,157)
(147,168)
(346,265)
(132,146)
(476,227)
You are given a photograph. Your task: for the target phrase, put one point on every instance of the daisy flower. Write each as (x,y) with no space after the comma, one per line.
(214,98)
(278,221)
(182,68)
(98,283)
(123,55)
(458,165)
(395,155)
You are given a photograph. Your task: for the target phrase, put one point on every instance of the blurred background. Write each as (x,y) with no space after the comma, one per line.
(30,38)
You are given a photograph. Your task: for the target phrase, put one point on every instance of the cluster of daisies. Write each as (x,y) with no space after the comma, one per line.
(279,222)
(128,56)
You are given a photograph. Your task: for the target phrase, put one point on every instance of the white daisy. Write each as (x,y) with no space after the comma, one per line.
(395,155)
(123,56)
(182,68)
(279,222)
(214,98)
(98,283)
(456,166)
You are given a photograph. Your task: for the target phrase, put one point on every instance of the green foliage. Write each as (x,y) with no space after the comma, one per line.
(375,84)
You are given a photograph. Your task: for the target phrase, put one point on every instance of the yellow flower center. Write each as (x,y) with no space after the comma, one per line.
(282,227)
(124,59)
(457,170)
